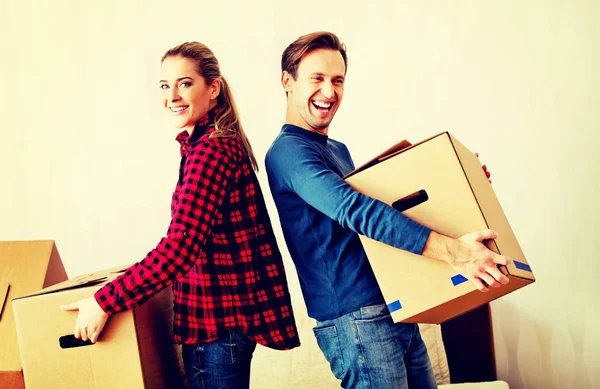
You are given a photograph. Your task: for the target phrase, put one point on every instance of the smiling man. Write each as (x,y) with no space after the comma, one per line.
(321,217)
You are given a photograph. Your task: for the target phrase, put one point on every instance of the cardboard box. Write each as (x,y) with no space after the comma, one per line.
(25,266)
(440,184)
(135,349)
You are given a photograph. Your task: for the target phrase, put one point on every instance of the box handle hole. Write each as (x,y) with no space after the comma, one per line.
(70,341)
(410,201)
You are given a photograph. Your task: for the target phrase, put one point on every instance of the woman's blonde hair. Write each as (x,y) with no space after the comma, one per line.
(227,122)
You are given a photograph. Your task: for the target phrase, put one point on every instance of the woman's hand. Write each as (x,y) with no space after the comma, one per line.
(91,318)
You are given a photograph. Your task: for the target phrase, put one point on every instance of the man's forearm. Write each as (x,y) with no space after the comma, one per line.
(437,246)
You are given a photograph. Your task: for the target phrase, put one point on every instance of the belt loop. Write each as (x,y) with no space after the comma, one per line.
(358,314)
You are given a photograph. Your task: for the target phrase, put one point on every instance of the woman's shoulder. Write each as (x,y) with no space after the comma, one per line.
(224,145)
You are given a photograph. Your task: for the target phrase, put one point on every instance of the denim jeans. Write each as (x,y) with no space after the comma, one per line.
(221,364)
(366,349)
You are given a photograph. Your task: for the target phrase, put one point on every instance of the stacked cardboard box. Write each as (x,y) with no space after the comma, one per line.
(25,266)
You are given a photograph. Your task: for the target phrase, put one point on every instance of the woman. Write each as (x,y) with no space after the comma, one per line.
(220,253)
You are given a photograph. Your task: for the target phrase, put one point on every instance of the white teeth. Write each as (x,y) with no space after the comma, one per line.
(178,109)
(322,104)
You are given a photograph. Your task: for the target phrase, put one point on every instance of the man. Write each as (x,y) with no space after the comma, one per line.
(321,217)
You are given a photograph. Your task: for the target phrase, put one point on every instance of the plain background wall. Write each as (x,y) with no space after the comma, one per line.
(88,158)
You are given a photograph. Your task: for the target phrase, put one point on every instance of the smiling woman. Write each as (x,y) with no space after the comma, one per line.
(220,254)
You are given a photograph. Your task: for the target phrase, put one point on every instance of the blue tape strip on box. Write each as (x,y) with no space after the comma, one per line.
(394,306)
(522,266)
(458,279)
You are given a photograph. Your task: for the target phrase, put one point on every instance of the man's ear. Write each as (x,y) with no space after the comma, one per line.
(286,81)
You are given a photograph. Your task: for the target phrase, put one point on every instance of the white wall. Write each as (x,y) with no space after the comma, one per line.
(88,159)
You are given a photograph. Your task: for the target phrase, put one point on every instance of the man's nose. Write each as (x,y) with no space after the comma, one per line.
(327,90)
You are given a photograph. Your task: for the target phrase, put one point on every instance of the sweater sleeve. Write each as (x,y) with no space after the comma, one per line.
(298,166)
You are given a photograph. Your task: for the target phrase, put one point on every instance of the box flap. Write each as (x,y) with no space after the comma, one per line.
(83,281)
(71,284)
(56,270)
(403,144)
(121,269)
(396,149)
(4,287)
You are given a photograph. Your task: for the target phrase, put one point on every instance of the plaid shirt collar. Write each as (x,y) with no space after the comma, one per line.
(204,124)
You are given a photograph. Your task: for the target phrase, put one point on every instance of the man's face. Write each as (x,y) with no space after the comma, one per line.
(316,93)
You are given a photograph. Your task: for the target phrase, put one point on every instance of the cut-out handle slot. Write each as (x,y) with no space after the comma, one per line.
(410,201)
(70,341)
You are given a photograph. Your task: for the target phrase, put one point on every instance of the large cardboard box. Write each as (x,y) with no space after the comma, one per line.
(135,349)
(25,266)
(440,184)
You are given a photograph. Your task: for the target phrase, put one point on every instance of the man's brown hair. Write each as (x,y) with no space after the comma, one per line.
(293,54)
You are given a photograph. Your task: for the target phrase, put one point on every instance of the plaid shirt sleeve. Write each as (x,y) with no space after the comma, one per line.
(208,173)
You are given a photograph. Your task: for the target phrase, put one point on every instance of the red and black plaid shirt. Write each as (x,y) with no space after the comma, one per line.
(220,253)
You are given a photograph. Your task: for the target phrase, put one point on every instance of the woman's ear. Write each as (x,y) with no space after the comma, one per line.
(215,88)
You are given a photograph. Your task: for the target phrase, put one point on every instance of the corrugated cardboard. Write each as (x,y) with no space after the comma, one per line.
(25,266)
(459,200)
(135,349)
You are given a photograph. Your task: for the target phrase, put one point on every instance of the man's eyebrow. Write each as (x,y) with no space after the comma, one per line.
(323,74)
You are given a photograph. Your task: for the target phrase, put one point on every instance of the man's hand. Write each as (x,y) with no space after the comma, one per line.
(91,318)
(469,257)
(487,173)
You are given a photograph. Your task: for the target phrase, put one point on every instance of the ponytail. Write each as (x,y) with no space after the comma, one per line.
(227,122)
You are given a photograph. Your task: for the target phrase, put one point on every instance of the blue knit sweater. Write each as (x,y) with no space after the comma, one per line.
(321,214)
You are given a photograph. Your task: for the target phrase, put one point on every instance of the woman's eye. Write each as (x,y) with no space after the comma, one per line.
(164,86)
(185,84)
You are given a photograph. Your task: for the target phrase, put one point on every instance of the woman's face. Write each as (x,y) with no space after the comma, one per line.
(185,94)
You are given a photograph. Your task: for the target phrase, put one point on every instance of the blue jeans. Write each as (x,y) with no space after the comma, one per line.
(366,349)
(221,364)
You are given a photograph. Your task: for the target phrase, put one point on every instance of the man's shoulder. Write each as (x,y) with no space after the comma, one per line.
(287,144)
(287,136)
(337,143)
(338,148)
